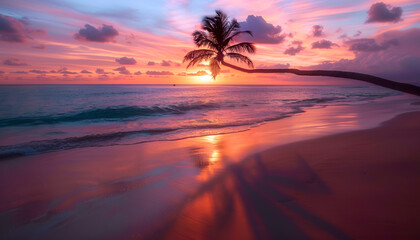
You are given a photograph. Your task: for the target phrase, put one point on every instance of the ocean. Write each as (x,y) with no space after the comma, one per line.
(36,119)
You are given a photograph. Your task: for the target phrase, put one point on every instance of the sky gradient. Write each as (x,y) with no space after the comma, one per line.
(143,42)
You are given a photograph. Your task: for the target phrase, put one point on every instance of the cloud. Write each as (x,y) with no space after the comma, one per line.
(159,73)
(151,63)
(169,63)
(64,71)
(275,66)
(126,61)
(1,72)
(344,36)
(137,73)
(262,31)
(106,33)
(122,70)
(85,71)
(40,46)
(370,45)
(15,30)
(381,12)
(14,62)
(38,71)
(101,71)
(294,50)
(68,72)
(198,73)
(20,72)
(323,44)
(357,34)
(165,63)
(317,31)
(382,57)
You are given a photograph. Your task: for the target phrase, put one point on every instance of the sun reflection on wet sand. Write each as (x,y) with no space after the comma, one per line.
(211,156)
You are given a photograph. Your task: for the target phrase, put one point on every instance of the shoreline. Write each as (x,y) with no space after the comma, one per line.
(360,184)
(64,185)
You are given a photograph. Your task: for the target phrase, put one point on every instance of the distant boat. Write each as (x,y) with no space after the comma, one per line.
(174,85)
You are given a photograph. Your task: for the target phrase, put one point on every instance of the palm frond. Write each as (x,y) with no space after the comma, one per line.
(214,68)
(233,26)
(241,58)
(197,56)
(234,35)
(242,47)
(201,39)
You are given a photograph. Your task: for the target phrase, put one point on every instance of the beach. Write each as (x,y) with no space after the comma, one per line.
(330,172)
(356,185)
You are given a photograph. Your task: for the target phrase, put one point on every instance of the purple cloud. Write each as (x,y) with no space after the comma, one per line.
(274,66)
(159,73)
(1,72)
(38,71)
(383,57)
(262,31)
(106,33)
(101,71)
(85,71)
(15,30)
(151,63)
(357,34)
(317,31)
(122,70)
(20,72)
(165,63)
(381,12)
(126,61)
(40,46)
(323,44)
(137,73)
(68,72)
(14,62)
(370,45)
(294,50)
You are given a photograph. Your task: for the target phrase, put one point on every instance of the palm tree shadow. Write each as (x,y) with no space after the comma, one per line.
(260,194)
(264,199)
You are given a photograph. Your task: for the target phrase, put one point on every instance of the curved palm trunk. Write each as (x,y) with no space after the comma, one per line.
(402,87)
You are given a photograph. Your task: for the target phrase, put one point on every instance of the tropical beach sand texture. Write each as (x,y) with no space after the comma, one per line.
(356,185)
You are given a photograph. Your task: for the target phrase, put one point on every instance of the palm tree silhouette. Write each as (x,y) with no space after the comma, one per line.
(218,34)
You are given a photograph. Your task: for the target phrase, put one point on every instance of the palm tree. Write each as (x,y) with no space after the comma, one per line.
(215,42)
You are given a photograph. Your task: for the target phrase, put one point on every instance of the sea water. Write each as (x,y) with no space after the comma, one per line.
(42,118)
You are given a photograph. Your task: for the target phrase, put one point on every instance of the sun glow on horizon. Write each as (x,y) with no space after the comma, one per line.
(206,79)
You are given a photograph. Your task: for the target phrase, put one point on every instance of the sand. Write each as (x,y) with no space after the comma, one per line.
(357,185)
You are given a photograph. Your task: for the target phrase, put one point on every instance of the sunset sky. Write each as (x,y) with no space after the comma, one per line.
(117,42)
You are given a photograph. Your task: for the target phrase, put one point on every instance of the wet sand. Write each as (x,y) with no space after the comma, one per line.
(356,185)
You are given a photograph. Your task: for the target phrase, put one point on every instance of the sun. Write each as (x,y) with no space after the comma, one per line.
(206,78)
